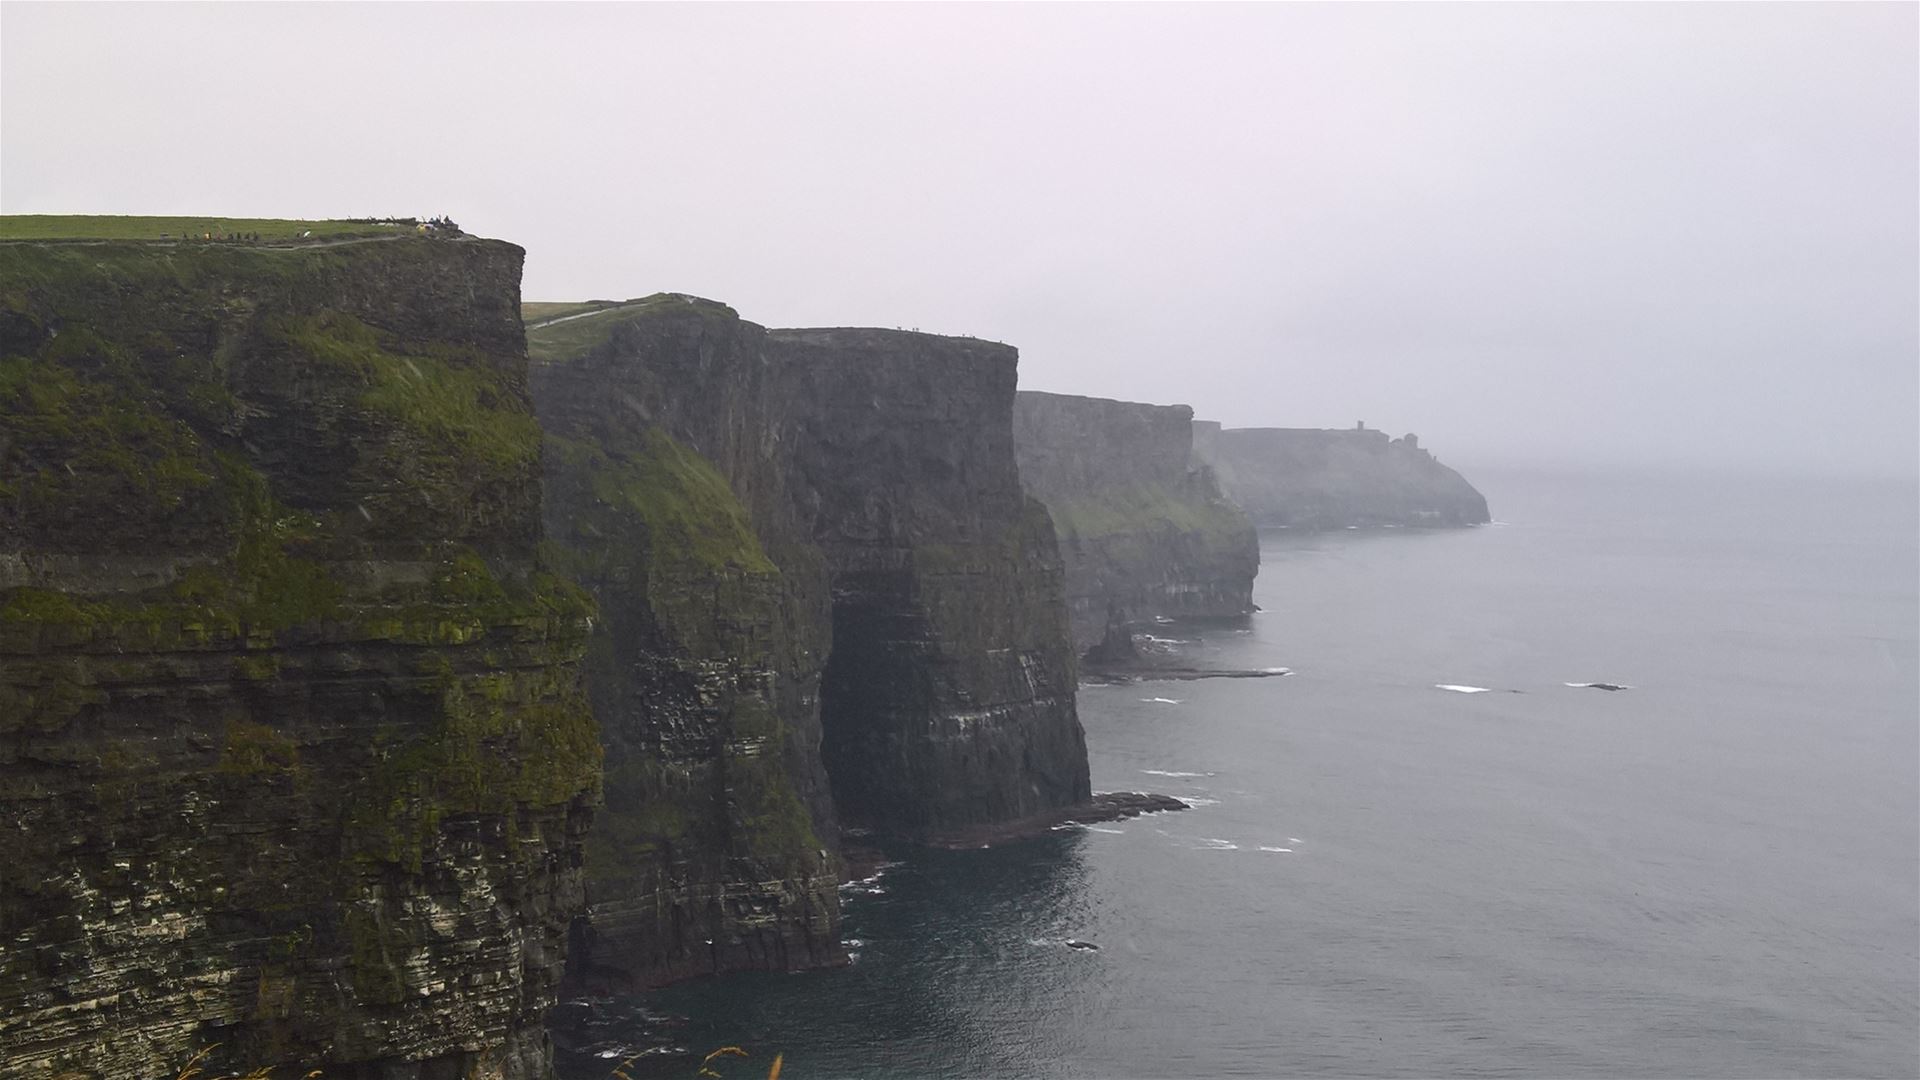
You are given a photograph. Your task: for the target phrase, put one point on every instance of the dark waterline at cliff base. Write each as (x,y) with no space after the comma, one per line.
(1711,874)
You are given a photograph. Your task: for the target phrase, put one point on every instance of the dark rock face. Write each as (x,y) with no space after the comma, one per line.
(293,746)
(713,850)
(949,697)
(852,613)
(1144,530)
(1310,478)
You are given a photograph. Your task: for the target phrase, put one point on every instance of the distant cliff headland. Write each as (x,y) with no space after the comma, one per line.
(379,654)
(1144,530)
(1315,478)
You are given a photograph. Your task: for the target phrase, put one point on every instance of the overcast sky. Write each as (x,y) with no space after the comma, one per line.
(1609,233)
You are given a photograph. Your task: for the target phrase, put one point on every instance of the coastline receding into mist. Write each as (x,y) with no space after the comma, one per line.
(891,540)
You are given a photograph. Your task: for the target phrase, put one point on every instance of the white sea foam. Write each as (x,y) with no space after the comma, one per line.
(1216,844)
(1293,839)
(1277,670)
(1110,832)
(1166,772)
(1264,848)
(1198,800)
(1458,689)
(1160,701)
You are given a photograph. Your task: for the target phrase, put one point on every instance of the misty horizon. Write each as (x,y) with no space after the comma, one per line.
(1551,235)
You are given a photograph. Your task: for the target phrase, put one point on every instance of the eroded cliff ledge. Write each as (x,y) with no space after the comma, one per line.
(1144,531)
(292,738)
(827,600)
(1313,478)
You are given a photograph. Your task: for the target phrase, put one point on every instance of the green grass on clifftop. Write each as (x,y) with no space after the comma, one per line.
(561,331)
(535,312)
(117,227)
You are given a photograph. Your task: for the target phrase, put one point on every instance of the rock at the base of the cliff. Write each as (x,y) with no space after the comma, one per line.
(1104,806)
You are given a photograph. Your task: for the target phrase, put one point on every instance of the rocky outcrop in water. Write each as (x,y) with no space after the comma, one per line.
(1144,531)
(827,600)
(1312,478)
(293,746)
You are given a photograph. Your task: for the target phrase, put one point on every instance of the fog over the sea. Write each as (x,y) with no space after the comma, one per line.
(1547,232)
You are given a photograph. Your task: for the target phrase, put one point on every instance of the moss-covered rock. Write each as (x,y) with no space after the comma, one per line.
(291,720)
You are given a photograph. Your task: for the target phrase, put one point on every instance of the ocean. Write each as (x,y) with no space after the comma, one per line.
(1714,872)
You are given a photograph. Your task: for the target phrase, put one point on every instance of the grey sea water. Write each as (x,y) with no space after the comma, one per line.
(1713,873)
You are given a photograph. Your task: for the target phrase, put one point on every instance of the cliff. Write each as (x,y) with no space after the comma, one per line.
(1311,478)
(1144,531)
(293,745)
(826,598)
(713,851)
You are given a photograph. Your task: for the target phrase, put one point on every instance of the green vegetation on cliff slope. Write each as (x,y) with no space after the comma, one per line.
(1147,507)
(687,510)
(127,370)
(452,399)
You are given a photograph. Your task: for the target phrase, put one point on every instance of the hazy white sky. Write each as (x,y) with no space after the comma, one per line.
(1631,233)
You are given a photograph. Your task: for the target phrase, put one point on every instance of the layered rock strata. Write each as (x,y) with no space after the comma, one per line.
(293,746)
(849,613)
(714,850)
(1145,532)
(1312,478)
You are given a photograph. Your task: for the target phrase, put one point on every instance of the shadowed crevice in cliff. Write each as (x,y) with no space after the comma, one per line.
(949,696)
(291,726)
(1145,533)
(1312,478)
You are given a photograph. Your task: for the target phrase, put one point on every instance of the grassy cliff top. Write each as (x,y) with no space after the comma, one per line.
(117,227)
(563,330)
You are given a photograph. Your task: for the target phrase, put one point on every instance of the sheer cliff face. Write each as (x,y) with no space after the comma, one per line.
(712,852)
(1308,478)
(849,610)
(291,728)
(1144,531)
(949,695)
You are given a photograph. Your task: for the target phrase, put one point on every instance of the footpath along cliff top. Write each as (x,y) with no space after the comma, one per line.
(101,227)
